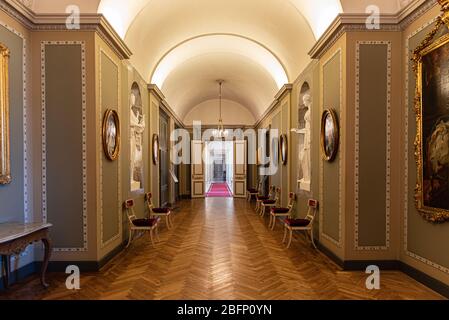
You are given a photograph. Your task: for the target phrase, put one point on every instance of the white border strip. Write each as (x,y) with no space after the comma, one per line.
(340,209)
(357,148)
(82,45)
(119,187)
(406,176)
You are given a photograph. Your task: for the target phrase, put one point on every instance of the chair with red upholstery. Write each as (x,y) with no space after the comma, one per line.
(140,225)
(260,198)
(306,224)
(282,212)
(158,212)
(270,203)
(252,192)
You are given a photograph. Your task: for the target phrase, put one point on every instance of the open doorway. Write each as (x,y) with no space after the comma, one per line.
(219,156)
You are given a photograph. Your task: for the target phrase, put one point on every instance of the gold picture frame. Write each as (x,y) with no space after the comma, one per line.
(283,146)
(156,149)
(111,134)
(330,135)
(432,123)
(5,162)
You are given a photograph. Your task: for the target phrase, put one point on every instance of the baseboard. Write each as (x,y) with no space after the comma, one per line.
(388,265)
(425,279)
(361,265)
(20,274)
(111,255)
(330,254)
(185,197)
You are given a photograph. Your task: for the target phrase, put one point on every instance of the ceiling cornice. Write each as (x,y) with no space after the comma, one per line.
(57,22)
(287,88)
(357,22)
(154,89)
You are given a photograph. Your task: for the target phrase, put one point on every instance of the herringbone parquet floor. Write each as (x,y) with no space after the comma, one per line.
(220,249)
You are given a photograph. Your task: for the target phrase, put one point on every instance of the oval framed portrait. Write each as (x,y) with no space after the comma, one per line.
(284,148)
(111,135)
(155,149)
(275,150)
(330,135)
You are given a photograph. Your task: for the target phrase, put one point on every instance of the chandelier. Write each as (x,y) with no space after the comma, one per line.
(220,132)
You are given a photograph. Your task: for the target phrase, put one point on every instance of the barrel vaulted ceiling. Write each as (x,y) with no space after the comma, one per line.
(184,46)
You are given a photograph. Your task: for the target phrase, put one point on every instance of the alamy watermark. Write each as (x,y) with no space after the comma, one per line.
(373,280)
(73,280)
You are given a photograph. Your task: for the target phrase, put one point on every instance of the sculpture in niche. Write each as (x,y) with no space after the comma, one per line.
(304,170)
(137,125)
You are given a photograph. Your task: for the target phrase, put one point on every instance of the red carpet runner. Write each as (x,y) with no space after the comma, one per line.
(219,190)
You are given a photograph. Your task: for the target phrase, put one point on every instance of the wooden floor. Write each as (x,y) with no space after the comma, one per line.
(220,249)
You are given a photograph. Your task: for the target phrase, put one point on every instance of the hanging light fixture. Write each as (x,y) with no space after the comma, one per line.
(220,132)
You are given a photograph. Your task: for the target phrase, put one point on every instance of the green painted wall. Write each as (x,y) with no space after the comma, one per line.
(63,111)
(372,146)
(331,170)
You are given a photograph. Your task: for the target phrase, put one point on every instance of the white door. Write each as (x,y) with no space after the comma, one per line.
(240,168)
(197,163)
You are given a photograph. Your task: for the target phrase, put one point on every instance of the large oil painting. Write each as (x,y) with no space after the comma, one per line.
(5,174)
(432,120)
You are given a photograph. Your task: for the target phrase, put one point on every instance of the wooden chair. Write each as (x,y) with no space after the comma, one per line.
(270,203)
(251,193)
(158,212)
(260,198)
(140,225)
(282,212)
(301,224)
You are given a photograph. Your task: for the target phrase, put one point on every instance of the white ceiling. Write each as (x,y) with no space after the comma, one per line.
(256,46)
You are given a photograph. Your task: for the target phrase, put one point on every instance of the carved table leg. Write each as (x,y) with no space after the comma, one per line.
(6,266)
(48,248)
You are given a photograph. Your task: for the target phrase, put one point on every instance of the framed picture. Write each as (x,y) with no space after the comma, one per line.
(275,150)
(330,135)
(5,170)
(155,149)
(111,135)
(432,126)
(284,149)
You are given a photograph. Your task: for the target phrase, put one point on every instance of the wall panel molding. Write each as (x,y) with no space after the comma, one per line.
(336,242)
(406,154)
(357,147)
(26,193)
(82,46)
(104,244)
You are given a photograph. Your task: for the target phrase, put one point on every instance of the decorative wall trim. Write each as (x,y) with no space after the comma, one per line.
(287,88)
(25,128)
(406,140)
(357,23)
(339,242)
(100,148)
(82,46)
(357,148)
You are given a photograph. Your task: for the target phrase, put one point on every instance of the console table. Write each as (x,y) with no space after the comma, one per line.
(15,237)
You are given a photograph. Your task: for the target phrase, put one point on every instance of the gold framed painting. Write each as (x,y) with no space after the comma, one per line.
(111,135)
(330,135)
(156,147)
(284,149)
(431,65)
(5,169)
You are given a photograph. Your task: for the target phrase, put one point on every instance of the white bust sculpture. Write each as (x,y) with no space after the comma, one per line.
(137,125)
(304,152)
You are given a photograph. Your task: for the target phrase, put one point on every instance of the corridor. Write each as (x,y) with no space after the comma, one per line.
(221,249)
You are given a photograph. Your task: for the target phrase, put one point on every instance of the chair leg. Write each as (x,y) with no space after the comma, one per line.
(130,237)
(285,234)
(290,238)
(156,230)
(273,223)
(167,222)
(311,237)
(151,237)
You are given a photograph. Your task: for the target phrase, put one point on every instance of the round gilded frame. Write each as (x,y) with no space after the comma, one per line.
(283,146)
(330,144)
(155,149)
(113,154)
